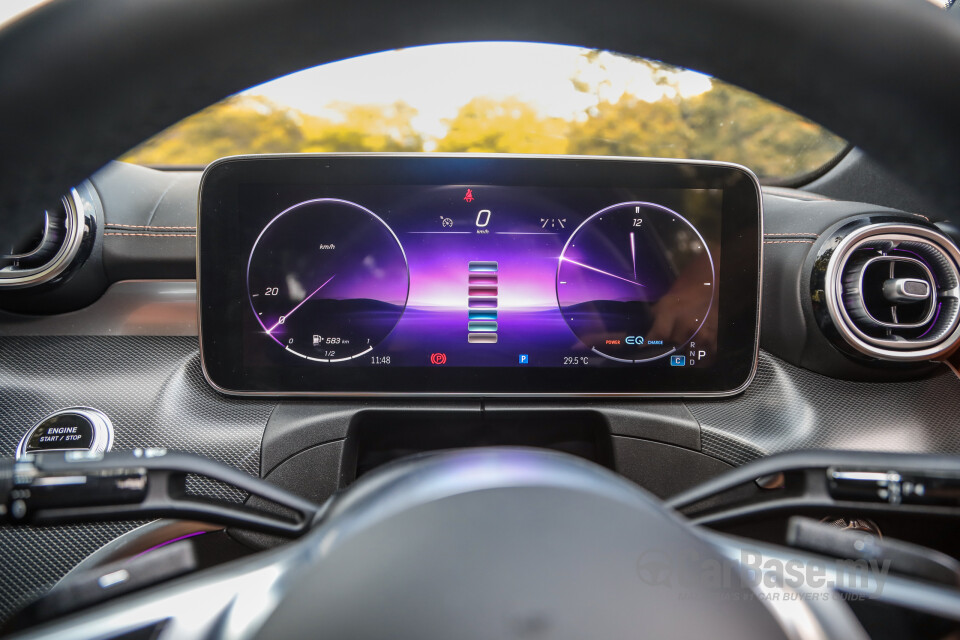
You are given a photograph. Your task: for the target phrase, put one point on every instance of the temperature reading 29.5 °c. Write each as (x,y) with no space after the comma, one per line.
(327,280)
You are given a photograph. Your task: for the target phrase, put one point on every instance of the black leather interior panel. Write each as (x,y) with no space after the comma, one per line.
(858,177)
(150,226)
(790,408)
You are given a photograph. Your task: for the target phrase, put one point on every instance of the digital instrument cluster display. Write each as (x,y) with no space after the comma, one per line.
(477,275)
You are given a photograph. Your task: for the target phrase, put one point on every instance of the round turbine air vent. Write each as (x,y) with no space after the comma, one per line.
(49,250)
(892,291)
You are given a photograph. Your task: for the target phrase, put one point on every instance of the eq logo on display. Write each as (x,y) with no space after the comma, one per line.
(634,340)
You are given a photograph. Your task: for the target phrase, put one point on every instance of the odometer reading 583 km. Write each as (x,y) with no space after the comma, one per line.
(327,280)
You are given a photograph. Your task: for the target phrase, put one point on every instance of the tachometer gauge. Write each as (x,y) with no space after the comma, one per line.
(327,280)
(635,282)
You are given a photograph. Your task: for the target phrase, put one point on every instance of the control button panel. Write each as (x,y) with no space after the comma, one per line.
(893,487)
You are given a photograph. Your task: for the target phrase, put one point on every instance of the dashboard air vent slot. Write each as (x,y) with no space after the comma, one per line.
(46,251)
(893,291)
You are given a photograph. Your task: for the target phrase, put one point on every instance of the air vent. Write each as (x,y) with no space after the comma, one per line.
(893,291)
(49,249)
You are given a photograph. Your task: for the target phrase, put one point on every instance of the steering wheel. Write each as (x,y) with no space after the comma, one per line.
(481,543)
(506,543)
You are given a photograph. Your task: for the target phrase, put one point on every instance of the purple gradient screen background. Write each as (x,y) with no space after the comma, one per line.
(526,232)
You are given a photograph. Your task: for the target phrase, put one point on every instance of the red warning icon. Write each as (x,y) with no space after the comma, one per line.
(469,197)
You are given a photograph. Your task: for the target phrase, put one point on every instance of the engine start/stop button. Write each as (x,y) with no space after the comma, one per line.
(74,429)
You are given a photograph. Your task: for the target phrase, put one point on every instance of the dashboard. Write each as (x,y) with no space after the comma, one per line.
(347,274)
(119,332)
(860,313)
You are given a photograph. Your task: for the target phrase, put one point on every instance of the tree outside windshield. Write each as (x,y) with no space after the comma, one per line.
(501,98)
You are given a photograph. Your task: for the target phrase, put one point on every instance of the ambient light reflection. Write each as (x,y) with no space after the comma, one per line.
(163,544)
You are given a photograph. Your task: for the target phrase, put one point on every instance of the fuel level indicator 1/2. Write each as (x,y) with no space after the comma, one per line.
(635,282)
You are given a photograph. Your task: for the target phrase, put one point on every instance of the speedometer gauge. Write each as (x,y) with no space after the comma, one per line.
(327,280)
(635,282)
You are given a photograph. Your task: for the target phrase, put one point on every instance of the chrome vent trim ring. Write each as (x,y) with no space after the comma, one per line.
(75,229)
(937,257)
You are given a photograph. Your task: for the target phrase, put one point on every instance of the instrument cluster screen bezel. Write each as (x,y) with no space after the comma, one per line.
(259,214)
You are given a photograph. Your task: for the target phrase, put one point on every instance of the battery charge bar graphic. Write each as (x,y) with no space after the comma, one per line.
(482,302)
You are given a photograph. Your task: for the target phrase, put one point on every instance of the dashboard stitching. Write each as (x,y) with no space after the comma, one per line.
(152,235)
(788,242)
(793,194)
(798,235)
(118,225)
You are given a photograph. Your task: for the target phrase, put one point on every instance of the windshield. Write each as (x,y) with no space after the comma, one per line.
(501,98)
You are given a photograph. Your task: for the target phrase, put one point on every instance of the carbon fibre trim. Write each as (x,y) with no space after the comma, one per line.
(33,559)
(789,408)
(153,391)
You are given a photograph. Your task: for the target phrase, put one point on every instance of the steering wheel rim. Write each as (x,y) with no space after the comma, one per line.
(877,72)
